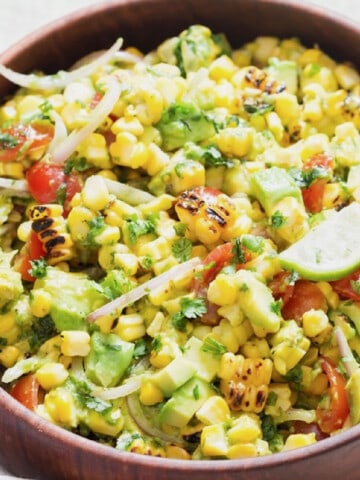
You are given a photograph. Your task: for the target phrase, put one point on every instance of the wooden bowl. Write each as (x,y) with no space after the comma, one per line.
(32,447)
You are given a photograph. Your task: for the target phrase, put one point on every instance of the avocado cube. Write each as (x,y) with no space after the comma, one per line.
(353,390)
(185,402)
(206,363)
(175,374)
(271,185)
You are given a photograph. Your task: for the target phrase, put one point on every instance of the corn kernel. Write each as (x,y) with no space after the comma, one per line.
(214,410)
(223,290)
(110,424)
(173,451)
(9,356)
(298,440)
(24,231)
(40,302)
(51,375)
(127,124)
(95,193)
(130,327)
(150,394)
(213,441)
(246,428)
(314,322)
(75,343)
(60,405)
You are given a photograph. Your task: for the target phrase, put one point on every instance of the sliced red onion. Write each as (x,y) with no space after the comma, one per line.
(347,356)
(59,80)
(131,386)
(14,188)
(143,289)
(96,118)
(137,414)
(131,195)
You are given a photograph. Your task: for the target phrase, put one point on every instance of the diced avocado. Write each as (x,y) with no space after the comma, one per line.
(73,295)
(205,363)
(284,71)
(271,185)
(185,402)
(353,390)
(184,122)
(175,374)
(10,281)
(352,310)
(257,302)
(108,359)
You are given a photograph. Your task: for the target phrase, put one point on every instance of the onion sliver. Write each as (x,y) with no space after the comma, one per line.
(347,356)
(145,425)
(144,289)
(59,80)
(132,195)
(60,132)
(131,386)
(14,188)
(97,116)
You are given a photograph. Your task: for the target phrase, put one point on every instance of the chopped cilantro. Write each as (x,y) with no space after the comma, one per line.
(140,348)
(210,345)
(237,251)
(41,330)
(312,69)
(190,308)
(196,392)
(180,229)
(3,342)
(96,226)
(257,107)
(38,268)
(181,249)
(8,141)
(277,220)
(61,193)
(253,243)
(276,307)
(147,262)
(210,155)
(244,287)
(84,397)
(79,164)
(156,343)
(137,227)
(272,398)
(295,376)
(355,285)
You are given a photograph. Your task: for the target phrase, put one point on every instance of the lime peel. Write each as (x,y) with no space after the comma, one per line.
(330,251)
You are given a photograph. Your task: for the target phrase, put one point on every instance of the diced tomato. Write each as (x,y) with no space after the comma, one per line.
(348,287)
(34,250)
(334,415)
(281,287)
(303,427)
(313,195)
(25,139)
(306,295)
(45,179)
(26,391)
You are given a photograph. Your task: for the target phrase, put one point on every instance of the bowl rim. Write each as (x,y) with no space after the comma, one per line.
(11,406)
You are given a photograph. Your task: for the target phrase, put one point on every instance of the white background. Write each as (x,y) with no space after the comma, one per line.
(19,17)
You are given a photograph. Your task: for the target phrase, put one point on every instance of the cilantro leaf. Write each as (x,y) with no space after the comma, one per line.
(181,249)
(137,227)
(210,345)
(277,220)
(190,308)
(38,268)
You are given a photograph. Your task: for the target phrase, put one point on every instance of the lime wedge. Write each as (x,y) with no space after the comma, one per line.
(330,251)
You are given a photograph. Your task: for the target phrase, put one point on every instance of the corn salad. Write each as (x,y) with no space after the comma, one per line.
(144,208)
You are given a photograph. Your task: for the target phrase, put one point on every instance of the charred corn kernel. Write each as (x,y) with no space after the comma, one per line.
(150,394)
(78,222)
(95,151)
(110,424)
(245,428)
(95,193)
(347,76)
(24,231)
(60,405)
(40,302)
(12,170)
(223,290)
(9,356)
(297,440)
(222,67)
(75,343)
(213,441)
(179,453)
(241,226)
(256,348)
(280,393)
(127,124)
(334,194)
(130,327)
(214,410)
(314,322)
(224,333)
(51,375)
(128,151)
(232,313)
(235,142)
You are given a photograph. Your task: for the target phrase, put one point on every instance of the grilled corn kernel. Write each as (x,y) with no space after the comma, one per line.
(130,327)
(246,428)
(314,322)
(214,410)
(95,193)
(213,441)
(150,394)
(40,302)
(51,375)
(298,440)
(75,343)
(28,106)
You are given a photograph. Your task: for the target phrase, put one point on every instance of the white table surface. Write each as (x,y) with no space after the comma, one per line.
(20,17)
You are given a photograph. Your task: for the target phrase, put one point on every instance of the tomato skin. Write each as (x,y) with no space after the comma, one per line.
(32,251)
(281,287)
(306,295)
(313,194)
(344,289)
(303,427)
(26,391)
(45,179)
(333,418)
(28,138)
